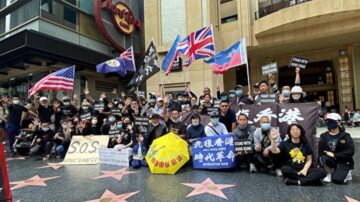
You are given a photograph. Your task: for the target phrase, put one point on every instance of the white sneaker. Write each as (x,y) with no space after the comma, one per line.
(348,177)
(278,173)
(252,168)
(327,178)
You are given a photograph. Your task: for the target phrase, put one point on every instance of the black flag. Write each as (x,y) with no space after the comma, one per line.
(149,67)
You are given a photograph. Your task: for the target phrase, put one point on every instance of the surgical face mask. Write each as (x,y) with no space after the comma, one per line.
(116,102)
(66,103)
(152,100)
(256,92)
(155,124)
(265,126)
(180,99)
(332,124)
(215,120)
(195,123)
(85,107)
(286,92)
(16,101)
(231,95)
(94,121)
(223,98)
(112,119)
(119,126)
(101,99)
(238,92)
(296,96)
(64,126)
(175,120)
(45,129)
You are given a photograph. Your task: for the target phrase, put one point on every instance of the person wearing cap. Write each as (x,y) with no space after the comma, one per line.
(336,150)
(155,129)
(158,109)
(67,110)
(240,97)
(45,111)
(195,130)
(86,111)
(13,124)
(297,95)
(231,95)
(215,127)
(206,91)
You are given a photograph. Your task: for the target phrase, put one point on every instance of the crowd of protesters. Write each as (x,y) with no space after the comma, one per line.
(45,128)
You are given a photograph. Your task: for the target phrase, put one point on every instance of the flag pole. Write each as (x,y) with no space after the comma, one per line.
(162,84)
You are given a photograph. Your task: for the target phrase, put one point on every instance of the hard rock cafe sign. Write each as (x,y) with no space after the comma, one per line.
(122,17)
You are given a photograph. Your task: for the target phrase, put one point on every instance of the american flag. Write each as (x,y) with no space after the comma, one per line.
(128,57)
(62,79)
(197,45)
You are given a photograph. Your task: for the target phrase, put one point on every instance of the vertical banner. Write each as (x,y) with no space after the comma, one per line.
(5,193)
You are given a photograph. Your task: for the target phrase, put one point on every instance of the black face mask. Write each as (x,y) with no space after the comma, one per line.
(331,124)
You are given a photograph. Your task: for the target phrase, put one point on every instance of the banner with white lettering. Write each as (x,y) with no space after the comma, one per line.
(216,152)
(85,149)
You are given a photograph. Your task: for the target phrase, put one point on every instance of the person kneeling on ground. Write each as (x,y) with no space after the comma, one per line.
(139,152)
(336,151)
(245,131)
(43,141)
(297,156)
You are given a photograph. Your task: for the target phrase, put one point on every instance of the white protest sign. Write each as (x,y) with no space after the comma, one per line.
(111,156)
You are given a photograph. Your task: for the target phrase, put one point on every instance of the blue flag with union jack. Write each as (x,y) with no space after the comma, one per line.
(197,45)
(121,65)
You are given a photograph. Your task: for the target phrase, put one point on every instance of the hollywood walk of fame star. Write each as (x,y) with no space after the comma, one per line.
(34,181)
(117,174)
(54,166)
(349,199)
(208,186)
(108,196)
(16,158)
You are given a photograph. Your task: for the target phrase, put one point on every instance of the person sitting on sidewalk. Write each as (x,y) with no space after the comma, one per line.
(139,152)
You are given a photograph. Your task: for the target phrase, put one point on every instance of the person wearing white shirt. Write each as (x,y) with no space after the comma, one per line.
(214,127)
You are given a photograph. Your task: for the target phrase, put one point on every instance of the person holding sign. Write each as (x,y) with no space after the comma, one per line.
(63,137)
(245,131)
(336,151)
(297,154)
(284,97)
(215,127)
(264,158)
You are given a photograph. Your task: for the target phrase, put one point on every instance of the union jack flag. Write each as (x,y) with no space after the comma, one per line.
(62,79)
(128,59)
(197,45)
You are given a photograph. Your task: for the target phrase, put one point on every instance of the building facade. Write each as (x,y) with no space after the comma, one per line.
(40,36)
(327,32)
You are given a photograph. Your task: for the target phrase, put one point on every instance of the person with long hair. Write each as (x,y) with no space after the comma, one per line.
(297,156)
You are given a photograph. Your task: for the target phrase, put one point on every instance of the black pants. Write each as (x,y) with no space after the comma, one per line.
(245,159)
(272,160)
(340,170)
(39,149)
(313,176)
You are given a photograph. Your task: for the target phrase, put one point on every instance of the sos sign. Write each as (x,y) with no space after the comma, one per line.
(85,150)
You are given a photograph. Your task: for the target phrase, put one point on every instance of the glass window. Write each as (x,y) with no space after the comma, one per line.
(2,25)
(24,13)
(87,6)
(173,20)
(2,4)
(59,13)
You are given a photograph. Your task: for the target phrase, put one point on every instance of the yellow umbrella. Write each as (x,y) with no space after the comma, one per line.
(167,154)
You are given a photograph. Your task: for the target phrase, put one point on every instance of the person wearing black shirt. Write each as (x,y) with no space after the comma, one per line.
(227,117)
(195,130)
(43,141)
(93,128)
(336,151)
(14,118)
(297,155)
(155,129)
(86,111)
(67,110)
(45,111)
(63,137)
(173,123)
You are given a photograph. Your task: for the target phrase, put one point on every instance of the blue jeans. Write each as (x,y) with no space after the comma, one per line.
(138,163)
(13,131)
(60,150)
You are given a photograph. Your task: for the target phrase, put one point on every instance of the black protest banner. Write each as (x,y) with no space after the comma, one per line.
(186,118)
(177,65)
(281,115)
(298,62)
(243,145)
(149,67)
(269,69)
(5,193)
(141,121)
(268,98)
(210,110)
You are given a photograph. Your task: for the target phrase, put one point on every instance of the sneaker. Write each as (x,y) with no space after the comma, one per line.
(291,182)
(278,173)
(348,177)
(327,178)
(252,168)
(46,157)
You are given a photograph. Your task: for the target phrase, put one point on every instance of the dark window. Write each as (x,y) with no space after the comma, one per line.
(69,15)
(228,19)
